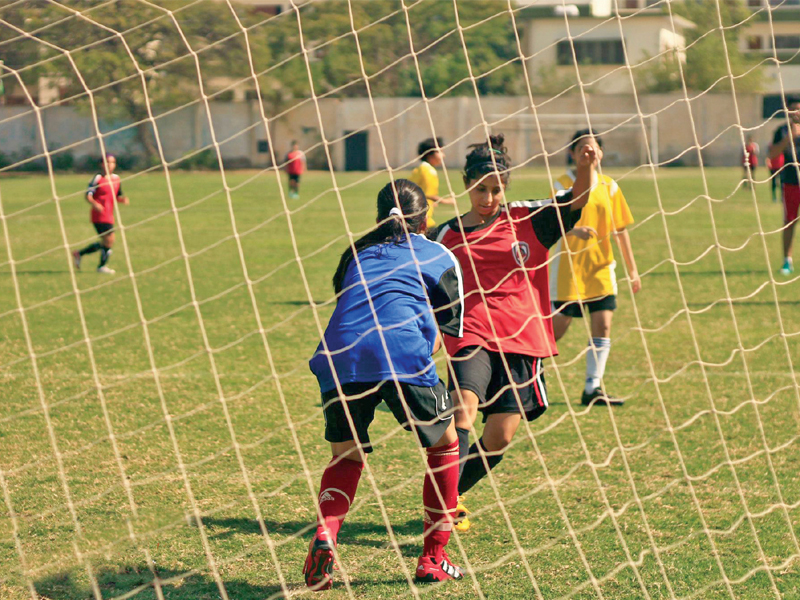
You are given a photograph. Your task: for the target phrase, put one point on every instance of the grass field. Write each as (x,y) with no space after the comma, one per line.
(697,478)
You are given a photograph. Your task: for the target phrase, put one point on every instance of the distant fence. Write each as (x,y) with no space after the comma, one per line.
(356,142)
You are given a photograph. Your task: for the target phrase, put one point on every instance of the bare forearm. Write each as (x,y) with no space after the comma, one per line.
(775,150)
(442,199)
(582,186)
(624,243)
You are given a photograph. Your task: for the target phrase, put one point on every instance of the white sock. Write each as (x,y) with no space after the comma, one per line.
(596,366)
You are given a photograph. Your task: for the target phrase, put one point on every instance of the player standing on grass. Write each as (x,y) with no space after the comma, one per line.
(506,291)
(787,143)
(406,288)
(750,159)
(583,274)
(295,167)
(425,176)
(103,191)
(774,165)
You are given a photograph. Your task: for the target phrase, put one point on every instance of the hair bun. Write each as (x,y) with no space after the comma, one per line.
(497,141)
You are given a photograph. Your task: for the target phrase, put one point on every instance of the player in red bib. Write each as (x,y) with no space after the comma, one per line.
(786,142)
(774,165)
(295,167)
(103,191)
(503,250)
(750,159)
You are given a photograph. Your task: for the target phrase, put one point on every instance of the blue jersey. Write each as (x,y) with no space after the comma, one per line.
(414,294)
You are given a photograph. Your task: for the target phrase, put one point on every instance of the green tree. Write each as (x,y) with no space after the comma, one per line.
(160,46)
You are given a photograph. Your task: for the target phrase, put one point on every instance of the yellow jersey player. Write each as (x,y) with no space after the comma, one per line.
(425,176)
(583,274)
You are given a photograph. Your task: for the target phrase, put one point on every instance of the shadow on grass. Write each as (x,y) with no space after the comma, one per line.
(21,273)
(353,532)
(136,581)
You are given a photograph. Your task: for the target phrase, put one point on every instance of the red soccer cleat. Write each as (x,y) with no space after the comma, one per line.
(428,571)
(319,565)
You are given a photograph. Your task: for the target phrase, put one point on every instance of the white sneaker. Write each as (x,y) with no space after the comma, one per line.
(105,270)
(76,260)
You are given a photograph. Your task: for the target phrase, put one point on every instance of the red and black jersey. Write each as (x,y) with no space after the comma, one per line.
(510,256)
(104,190)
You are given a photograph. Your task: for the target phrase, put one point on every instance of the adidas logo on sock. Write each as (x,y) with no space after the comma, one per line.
(325,497)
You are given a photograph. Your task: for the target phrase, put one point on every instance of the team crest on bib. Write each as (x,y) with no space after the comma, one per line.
(521,252)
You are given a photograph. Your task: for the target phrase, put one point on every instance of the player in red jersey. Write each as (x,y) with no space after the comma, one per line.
(295,167)
(774,165)
(786,142)
(102,192)
(503,249)
(750,159)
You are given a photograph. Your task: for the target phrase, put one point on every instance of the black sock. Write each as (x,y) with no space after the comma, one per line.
(91,248)
(105,254)
(474,469)
(463,448)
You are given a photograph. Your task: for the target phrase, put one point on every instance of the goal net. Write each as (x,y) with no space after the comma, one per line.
(161,435)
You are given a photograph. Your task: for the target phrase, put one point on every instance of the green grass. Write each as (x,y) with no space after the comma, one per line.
(558,515)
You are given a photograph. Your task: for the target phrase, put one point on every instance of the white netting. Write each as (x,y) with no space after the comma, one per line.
(161,435)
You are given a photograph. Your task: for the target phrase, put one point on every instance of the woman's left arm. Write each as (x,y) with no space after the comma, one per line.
(624,243)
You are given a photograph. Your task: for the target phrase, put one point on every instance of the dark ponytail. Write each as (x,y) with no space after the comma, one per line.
(488,158)
(403,195)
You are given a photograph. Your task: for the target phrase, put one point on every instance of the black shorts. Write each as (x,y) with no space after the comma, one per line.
(294,177)
(482,372)
(576,309)
(430,408)
(103,228)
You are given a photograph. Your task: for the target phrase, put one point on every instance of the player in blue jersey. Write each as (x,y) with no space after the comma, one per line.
(393,301)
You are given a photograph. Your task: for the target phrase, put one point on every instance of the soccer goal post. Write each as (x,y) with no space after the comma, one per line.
(628,141)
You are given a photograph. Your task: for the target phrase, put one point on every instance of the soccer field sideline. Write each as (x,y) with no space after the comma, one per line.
(293,335)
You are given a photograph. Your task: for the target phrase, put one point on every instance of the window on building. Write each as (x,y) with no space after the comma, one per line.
(754,3)
(784,3)
(597,52)
(755,42)
(787,42)
(631,4)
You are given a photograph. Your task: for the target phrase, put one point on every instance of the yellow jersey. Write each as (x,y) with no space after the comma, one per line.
(425,177)
(592,260)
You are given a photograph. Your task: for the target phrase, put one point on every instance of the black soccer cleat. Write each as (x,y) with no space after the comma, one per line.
(598,396)
(319,565)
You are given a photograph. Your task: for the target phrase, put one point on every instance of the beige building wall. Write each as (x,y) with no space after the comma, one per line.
(403,122)
(781,77)
(645,36)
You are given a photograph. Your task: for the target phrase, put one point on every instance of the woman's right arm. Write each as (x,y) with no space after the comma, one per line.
(584,174)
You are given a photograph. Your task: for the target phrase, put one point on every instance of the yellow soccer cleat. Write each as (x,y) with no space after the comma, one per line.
(460,521)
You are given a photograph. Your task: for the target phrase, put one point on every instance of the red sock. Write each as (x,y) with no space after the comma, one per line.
(438,522)
(337,489)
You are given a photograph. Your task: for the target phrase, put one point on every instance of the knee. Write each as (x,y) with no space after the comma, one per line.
(496,442)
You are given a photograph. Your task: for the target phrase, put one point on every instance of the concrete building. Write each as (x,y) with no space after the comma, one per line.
(647,31)
(774,32)
(600,41)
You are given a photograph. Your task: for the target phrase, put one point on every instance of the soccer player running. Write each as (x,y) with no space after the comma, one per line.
(425,176)
(404,290)
(787,143)
(503,249)
(103,191)
(583,274)
(295,167)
